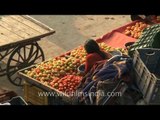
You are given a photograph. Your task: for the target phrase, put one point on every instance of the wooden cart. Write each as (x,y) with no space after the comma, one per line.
(18,42)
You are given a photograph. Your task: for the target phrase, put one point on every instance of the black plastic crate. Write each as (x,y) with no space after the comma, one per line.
(18,100)
(150,38)
(146,63)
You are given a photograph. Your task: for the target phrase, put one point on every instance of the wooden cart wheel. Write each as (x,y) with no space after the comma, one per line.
(23,56)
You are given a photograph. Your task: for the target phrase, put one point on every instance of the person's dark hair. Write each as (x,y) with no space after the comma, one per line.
(91,46)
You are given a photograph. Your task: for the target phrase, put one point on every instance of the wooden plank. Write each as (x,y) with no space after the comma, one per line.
(4,40)
(14,32)
(30,24)
(37,22)
(21,33)
(10,35)
(14,23)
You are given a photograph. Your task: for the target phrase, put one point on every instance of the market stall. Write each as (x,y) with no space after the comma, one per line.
(47,74)
(18,43)
(60,77)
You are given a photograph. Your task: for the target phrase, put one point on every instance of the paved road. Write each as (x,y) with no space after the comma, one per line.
(66,36)
(73,30)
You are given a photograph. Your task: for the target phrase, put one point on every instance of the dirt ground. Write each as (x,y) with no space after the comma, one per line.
(71,31)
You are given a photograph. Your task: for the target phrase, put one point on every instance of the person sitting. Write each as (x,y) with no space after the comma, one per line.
(94,54)
(150,19)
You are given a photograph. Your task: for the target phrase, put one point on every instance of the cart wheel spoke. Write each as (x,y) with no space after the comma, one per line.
(13,69)
(17,80)
(18,61)
(21,57)
(33,54)
(36,58)
(24,50)
(13,72)
(31,50)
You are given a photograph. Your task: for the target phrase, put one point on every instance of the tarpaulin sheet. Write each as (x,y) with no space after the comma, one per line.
(117,38)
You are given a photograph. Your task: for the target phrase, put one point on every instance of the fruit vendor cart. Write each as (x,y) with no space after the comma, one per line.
(18,43)
(63,68)
(43,77)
